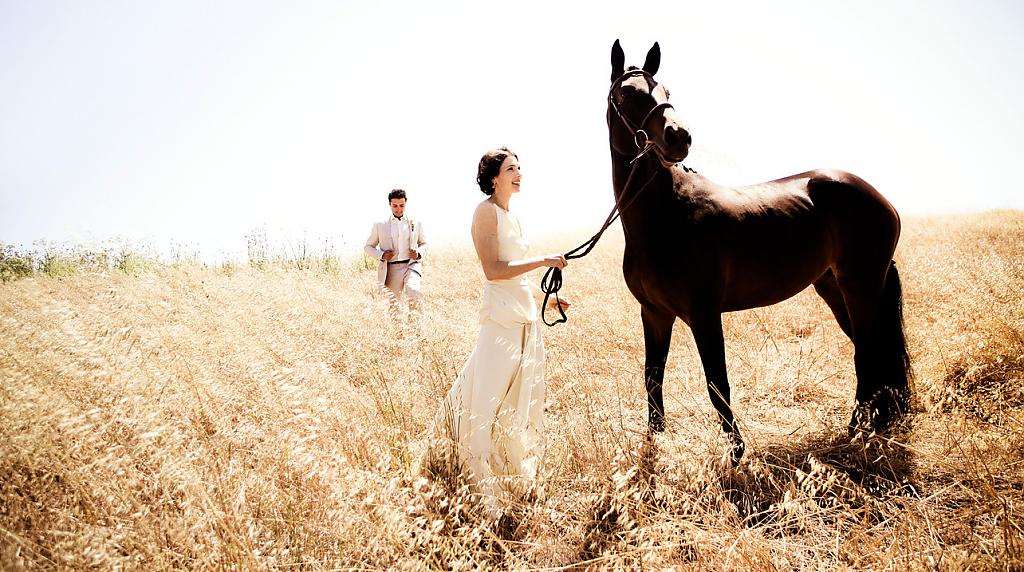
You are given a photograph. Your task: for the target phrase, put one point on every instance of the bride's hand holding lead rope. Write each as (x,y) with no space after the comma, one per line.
(555,261)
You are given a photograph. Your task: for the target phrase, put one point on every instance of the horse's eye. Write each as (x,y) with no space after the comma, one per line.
(668,93)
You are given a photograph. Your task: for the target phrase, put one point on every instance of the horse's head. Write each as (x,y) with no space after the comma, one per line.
(639,113)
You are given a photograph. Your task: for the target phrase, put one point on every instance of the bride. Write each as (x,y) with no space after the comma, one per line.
(490,426)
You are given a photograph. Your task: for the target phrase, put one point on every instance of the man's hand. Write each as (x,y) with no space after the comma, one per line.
(413,254)
(388,255)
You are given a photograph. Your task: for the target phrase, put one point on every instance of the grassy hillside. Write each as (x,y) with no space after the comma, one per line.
(190,417)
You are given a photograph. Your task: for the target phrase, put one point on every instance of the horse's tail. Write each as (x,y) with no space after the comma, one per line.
(898,373)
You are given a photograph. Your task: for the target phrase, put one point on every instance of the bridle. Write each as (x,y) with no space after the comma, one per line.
(638,129)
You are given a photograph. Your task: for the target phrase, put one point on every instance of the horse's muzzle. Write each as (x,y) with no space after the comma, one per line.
(676,143)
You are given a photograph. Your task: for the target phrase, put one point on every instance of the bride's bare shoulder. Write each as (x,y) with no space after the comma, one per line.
(484,211)
(485,217)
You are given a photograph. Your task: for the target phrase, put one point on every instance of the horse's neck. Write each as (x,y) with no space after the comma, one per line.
(647,211)
(623,173)
(633,183)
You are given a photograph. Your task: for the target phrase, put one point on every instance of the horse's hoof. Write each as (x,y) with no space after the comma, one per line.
(882,413)
(865,423)
(736,450)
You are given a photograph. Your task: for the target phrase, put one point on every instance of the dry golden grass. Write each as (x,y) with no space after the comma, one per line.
(271,418)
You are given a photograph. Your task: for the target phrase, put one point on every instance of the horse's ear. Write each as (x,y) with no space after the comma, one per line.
(653,60)
(618,61)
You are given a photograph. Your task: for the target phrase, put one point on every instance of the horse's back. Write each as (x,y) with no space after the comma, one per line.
(842,207)
(750,246)
(840,189)
(773,239)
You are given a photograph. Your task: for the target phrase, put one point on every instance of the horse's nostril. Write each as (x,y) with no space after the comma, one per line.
(677,136)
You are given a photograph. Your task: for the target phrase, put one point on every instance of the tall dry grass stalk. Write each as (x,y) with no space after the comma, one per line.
(189,417)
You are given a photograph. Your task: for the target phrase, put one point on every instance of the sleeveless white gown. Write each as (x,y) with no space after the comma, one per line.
(491,423)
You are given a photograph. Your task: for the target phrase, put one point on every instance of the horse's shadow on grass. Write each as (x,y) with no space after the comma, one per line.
(826,475)
(868,474)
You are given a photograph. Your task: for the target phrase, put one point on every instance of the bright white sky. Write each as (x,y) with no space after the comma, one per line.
(197,122)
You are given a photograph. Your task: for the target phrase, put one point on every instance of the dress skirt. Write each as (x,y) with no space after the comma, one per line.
(490,426)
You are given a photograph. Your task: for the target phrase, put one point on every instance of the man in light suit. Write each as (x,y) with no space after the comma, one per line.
(399,244)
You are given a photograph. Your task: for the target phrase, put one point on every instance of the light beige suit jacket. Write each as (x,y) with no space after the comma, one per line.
(380,240)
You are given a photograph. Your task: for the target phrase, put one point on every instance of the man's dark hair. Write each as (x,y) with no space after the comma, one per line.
(396,194)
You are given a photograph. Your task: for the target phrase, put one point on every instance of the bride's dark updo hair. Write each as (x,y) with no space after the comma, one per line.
(489,166)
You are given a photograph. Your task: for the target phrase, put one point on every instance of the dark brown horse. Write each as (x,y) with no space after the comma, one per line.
(695,249)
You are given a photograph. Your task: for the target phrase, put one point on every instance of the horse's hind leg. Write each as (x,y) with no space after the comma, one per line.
(657,339)
(895,361)
(828,288)
(875,310)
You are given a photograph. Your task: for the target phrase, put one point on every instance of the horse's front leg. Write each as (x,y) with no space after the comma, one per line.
(707,333)
(657,339)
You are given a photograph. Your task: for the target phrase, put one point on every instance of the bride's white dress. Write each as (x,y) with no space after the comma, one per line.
(492,420)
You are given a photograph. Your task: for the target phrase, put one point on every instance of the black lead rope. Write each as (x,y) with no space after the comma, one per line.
(551,283)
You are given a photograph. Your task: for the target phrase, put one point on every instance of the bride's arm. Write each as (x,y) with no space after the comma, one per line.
(485,239)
